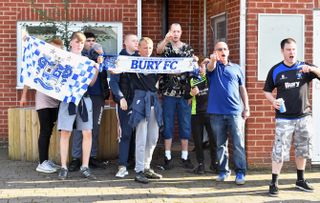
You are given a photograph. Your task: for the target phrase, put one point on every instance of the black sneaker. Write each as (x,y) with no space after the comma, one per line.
(304,185)
(214,168)
(131,164)
(95,163)
(63,174)
(199,169)
(187,163)
(149,173)
(74,165)
(85,171)
(168,163)
(273,190)
(141,178)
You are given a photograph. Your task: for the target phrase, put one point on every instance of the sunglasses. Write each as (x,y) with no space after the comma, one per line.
(222,49)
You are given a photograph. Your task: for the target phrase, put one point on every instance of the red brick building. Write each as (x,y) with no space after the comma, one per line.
(239,22)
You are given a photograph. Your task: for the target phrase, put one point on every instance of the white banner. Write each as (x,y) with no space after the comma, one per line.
(134,64)
(55,72)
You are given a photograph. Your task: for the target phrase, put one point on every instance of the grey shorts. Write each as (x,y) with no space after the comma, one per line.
(301,131)
(65,121)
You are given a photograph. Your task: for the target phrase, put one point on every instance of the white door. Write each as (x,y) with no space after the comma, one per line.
(316,89)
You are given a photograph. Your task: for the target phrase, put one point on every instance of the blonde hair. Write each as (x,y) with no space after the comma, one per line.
(146,39)
(79,36)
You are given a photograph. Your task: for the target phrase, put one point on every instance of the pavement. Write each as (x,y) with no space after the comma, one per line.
(19,182)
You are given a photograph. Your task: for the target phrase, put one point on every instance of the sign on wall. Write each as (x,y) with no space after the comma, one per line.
(271,30)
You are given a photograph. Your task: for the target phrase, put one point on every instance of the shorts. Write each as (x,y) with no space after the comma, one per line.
(301,131)
(66,121)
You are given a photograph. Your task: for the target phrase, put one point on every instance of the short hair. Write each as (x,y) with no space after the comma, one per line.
(126,37)
(89,35)
(146,39)
(56,41)
(287,41)
(176,24)
(79,36)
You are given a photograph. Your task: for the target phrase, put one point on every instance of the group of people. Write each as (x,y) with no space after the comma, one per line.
(216,101)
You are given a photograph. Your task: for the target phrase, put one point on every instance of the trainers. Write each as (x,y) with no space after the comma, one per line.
(304,185)
(273,190)
(85,171)
(45,167)
(187,163)
(63,174)
(122,172)
(223,176)
(141,178)
(54,165)
(240,178)
(131,164)
(149,173)
(95,163)
(214,168)
(168,164)
(74,165)
(199,169)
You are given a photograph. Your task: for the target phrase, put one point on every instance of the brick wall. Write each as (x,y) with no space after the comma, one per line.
(12,11)
(185,12)
(260,127)
(92,10)
(231,8)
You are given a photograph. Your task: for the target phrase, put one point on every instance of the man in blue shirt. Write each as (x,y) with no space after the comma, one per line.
(228,107)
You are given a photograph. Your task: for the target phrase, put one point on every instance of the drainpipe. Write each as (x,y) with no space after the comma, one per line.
(243,8)
(165,18)
(205,28)
(139,18)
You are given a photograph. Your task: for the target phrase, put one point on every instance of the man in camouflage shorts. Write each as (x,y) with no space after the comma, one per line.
(301,139)
(291,78)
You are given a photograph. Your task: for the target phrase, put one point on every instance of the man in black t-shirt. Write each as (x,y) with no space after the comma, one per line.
(291,79)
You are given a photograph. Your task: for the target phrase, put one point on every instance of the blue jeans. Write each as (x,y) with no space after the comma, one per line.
(126,136)
(171,105)
(221,125)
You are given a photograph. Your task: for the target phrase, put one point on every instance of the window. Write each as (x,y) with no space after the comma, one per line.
(109,35)
(218,27)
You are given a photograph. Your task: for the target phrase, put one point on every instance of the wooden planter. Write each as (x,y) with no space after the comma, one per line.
(23,134)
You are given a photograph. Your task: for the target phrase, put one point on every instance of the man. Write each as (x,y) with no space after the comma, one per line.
(146,116)
(198,89)
(291,79)
(91,39)
(172,87)
(81,115)
(123,95)
(228,107)
(99,92)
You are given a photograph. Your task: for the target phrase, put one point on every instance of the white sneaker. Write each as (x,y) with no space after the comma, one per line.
(122,172)
(53,165)
(45,167)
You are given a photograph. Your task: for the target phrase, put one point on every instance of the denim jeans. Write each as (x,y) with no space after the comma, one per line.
(126,136)
(221,125)
(171,105)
